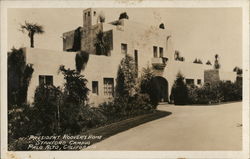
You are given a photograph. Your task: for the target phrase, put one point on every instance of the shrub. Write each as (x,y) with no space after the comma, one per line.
(123,16)
(46,109)
(147,86)
(126,78)
(179,92)
(19,121)
(216,92)
(19,75)
(75,96)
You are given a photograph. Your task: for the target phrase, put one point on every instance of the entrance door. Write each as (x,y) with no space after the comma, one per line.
(161,88)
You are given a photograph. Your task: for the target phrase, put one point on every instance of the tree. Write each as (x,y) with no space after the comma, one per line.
(162,26)
(238,70)
(147,86)
(46,109)
(32,29)
(123,16)
(74,100)
(216,62)
(126,77)
(19,76)
(179,92)
(177,56)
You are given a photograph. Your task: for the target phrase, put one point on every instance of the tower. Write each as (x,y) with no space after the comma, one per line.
(90,17)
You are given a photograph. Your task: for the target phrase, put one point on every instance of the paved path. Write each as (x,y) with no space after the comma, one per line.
(188,128)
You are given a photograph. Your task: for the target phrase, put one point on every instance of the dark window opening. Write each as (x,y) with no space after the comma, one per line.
(199,81)
(155,51)
(88,13)
(94,13)
(45,80)
(108,87)
(124,48)
(95,87)
(161,51)
(189,81)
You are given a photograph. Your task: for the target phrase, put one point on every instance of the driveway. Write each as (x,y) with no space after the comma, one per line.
(216,127)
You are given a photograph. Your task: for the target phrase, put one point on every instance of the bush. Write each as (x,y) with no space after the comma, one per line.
(179,92)
(75,96)
(216,92)
(46,109)
(19,121)
(19,75)
(147,86)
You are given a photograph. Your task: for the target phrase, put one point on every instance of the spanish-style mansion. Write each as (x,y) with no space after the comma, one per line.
(149,46)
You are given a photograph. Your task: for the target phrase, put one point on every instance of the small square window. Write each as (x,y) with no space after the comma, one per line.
(45,80)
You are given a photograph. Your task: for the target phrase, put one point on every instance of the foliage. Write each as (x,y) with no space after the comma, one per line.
(237,70)
(123,107)
(198,61)
(179,92)
(216,92)
(81,60)
(147,87)
(19,121)
(101,45)
(208,62)
(178,56)
(162,26)
(123,16)
(126,78)
(75,96)
(32,29)
(75,86)
(19,76)
(46,109)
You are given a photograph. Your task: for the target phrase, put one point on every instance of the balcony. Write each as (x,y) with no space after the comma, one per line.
(159,62)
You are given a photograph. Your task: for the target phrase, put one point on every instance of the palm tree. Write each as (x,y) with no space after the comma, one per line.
(31,29)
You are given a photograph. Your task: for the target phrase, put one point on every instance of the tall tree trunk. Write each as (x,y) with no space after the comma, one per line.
(32,40)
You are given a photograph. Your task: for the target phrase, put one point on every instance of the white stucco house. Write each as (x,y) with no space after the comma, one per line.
(148,45)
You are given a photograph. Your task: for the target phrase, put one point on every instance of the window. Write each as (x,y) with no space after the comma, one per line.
(85,15)
(88,13)
(95,87)
(161,51)
(45,80)
(155,51)
(199,81)
(94,13)
(108,87)
(189,81)
(124,48)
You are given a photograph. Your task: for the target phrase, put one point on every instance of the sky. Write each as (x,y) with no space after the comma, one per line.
(196,32)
